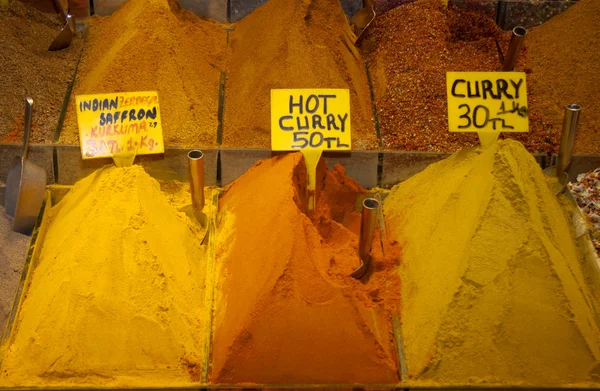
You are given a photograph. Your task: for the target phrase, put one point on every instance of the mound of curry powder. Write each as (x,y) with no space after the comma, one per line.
(494,286)
(286,309)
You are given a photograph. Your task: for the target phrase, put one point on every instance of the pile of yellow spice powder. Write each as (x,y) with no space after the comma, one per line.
(118,297)
(155,45)
(492,283)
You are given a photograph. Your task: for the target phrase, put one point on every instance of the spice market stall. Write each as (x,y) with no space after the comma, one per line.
(285,194)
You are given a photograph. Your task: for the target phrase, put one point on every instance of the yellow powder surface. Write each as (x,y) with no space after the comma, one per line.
(492,283)
(155,45)
(118,297)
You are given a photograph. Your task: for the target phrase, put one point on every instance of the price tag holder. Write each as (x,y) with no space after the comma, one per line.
(119,125)
(312,121)
(487,103)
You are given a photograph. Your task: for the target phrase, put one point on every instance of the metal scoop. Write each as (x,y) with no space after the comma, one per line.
(65,36)
(362,34)
(25,184)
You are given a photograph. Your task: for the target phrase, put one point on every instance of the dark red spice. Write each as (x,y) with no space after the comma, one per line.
(409,52)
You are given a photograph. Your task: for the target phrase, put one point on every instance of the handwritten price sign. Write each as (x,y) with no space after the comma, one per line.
(310,119)
(487,102)
(119,123)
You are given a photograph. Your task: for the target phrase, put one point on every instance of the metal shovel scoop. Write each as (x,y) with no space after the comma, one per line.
(65,36)
(363,31)
(25,184)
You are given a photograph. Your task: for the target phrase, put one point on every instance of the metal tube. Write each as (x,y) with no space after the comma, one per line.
(514,47)
(501,11)
(368,222)
(196,174)
(27,130)
(567,139)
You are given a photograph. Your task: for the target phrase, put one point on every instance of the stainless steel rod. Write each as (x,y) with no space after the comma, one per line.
(196,174)
(368,222)
(567,138)
(514,47)
(28,113)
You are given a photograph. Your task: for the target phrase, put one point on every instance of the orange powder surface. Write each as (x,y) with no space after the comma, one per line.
(155,45)
(565,56)
(292,44)
(286,309)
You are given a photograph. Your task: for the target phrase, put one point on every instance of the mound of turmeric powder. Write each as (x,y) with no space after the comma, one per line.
(118,297)
(493,287)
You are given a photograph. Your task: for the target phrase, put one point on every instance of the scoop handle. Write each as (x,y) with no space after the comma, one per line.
(62,6)
(28,111)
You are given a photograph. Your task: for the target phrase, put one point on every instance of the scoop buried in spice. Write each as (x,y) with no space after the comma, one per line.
(25,184)
(367,13)
(514,47)
(196,178)
(368,221)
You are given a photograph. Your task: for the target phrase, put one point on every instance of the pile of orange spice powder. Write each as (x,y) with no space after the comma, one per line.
(565,57)
(156,45)
(292,44)
(286,309)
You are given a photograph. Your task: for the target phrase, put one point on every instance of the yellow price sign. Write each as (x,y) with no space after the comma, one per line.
(310,119)
(487,102)
(123,123)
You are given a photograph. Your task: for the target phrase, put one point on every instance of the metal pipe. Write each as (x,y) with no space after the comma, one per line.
(567,139)
(514,47)
(368,221)
(196,174)
(28,113)
(501,11)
